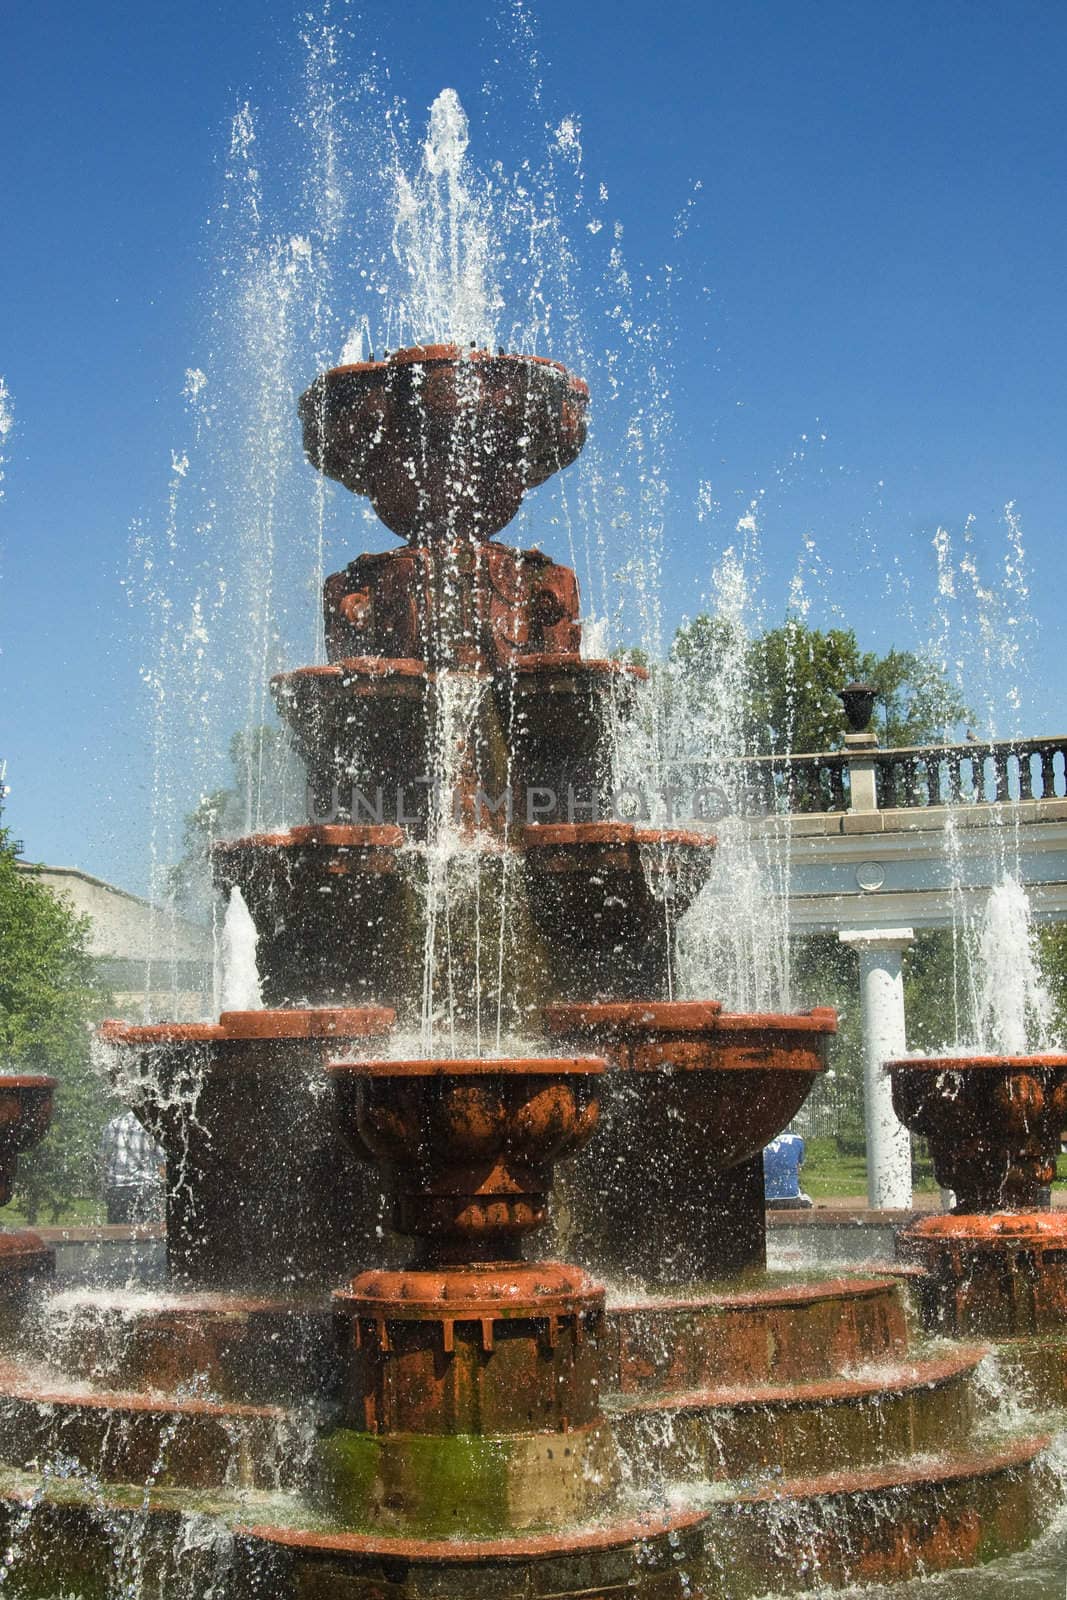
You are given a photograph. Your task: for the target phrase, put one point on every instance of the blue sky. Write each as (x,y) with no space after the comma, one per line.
(865,336)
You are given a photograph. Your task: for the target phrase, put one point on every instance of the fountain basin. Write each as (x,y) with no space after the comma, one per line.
(647,1554)
(292,880)
(725,1082)
(364,714)
(708,1090)
(883,1524)
(25,1259)
(559,710)
(239,1109)
(997,1264)
(999,1275)
(468,1145)
(738,1432)
(254,1350)
(164,1439)
(782,1333)
(26,1101)
(443,440)
(607,896)
(993,1122)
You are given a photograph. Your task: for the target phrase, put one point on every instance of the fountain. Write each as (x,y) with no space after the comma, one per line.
(312,1409)
(995,1264)
(994,1115)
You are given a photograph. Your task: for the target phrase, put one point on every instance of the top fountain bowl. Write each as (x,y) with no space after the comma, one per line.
(443,441)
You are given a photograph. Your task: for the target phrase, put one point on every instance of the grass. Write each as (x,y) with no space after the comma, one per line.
(828,1172)
(75,1214)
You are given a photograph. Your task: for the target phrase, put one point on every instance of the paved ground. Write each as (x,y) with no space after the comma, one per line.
(920,1202)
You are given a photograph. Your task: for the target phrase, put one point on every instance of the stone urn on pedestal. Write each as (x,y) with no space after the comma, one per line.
(997,1263)
(470,1395)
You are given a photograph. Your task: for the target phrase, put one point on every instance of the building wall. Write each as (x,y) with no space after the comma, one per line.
(155,963)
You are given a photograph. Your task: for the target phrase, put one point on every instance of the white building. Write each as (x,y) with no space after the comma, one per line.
(155,963)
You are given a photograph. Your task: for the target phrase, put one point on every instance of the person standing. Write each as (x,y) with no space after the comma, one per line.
(134,1169)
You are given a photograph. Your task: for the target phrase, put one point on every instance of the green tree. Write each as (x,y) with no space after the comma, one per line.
(790,678)
(915,703)
(795,674)
(1052,944)
(49,999)
(825,972)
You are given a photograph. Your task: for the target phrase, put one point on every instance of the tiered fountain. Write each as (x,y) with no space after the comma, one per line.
(996,1265)
(459,1421)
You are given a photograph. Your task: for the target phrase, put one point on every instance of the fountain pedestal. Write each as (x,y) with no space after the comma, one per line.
(470,1396)
(996,1265)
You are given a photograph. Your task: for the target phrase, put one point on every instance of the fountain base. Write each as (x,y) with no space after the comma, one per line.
(997,1275)
(811,1446)
(451,1485)
(471,1401)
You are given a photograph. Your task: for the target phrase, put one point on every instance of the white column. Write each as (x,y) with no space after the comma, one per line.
(882,1007)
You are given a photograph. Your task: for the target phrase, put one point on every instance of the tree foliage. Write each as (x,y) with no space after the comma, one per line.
(49,999)
(791,676)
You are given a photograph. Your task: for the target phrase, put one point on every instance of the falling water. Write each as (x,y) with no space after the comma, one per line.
(978,638)
(423,245)
(452,858)
(221,626)
(733,942)
(7,422)
(442,239)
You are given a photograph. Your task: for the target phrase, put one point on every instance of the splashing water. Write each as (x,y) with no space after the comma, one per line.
(441,238)
(239,984)
(7,422)
(1013,1007)
(733,942)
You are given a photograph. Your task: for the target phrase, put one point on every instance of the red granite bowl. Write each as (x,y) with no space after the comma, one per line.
(993,1123)
(444,442)
(727,1081)
(468,1145)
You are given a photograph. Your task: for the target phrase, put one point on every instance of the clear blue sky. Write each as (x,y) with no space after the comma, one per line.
(876,255)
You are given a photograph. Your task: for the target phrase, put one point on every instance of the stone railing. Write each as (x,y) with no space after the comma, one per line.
(866,778)
(797,783)
(973,774)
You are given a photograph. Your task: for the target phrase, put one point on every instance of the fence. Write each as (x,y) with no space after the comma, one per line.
(834,1106)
